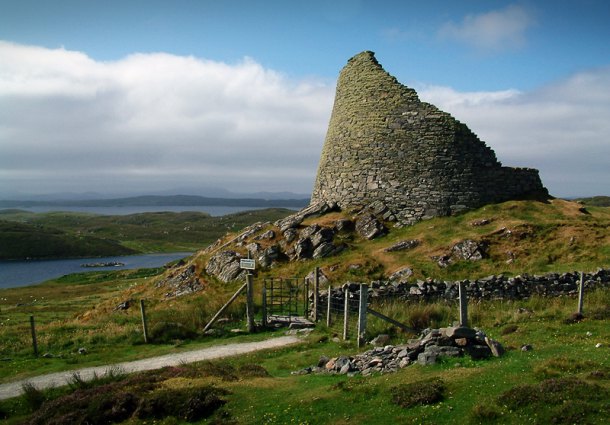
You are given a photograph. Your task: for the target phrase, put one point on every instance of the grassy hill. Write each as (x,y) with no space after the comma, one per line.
(19,240)
(69,234)
(521,236)
(564,379)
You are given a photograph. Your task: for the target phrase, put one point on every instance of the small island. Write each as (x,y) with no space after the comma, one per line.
(105,264)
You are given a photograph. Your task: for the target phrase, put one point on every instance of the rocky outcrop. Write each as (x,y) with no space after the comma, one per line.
(180,282)
(225,266)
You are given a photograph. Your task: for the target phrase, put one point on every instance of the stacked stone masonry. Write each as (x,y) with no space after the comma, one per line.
(496,287)
(384,144)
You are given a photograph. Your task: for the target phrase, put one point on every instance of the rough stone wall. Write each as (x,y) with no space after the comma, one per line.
(384,144)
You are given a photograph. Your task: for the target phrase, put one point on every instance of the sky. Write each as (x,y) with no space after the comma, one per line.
(139,97)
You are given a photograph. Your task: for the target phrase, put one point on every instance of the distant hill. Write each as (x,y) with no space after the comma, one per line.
(155,201)
(596,201)
(20,241)
(25,234)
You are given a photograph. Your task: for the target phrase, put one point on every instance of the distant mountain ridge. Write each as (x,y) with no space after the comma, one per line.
(157,200)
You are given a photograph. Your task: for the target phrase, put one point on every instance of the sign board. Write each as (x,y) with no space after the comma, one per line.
(246,264)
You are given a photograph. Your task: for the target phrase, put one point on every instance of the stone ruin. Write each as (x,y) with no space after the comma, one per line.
(432,345)
(384,145)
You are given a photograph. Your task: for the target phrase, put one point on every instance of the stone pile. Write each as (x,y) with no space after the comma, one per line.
(428,349)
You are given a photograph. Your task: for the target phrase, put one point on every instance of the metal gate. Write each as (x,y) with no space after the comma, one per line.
(286,298)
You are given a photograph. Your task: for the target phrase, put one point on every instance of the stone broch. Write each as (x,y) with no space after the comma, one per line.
(384,145)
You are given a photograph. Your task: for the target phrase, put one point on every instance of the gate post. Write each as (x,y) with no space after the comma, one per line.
(362,306)
(264,305)
(316,293)
(328,311)
(581,293)
(250,303)
(463,305)
(345,312)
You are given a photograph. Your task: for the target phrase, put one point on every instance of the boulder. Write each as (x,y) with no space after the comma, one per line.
(497,350)
(303,248)
(369,227)
(321,236)
(344,226)
(225,266)
(290,234)
(380,340)
(401,276)
(326,249)
(403,245)
(470,250)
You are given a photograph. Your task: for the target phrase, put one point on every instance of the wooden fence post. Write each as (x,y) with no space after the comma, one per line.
(316,293)
(250,303)
(463,305)
(345,312)
(581,293)
(362,306)
(34,341)
(328,310)
(264,306)
(144,321)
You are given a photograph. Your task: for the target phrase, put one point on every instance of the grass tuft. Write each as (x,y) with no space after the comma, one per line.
(418,393)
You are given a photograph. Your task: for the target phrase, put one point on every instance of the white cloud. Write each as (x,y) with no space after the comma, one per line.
(156,121)
(562,129)
(495,30)
(159,118)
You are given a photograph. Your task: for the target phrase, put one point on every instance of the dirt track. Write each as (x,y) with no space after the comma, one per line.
(13,389)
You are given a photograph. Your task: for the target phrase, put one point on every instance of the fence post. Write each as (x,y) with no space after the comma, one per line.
(581,293)
(34,341)
(250,303)
(463,305)
(345,312)
(362,306)
(144,321)
(328,311)
(316,293)
(264,306)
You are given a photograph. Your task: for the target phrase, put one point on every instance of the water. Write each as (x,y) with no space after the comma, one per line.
(31,272)
(214,211)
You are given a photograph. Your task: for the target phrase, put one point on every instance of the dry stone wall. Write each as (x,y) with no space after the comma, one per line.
(384,144)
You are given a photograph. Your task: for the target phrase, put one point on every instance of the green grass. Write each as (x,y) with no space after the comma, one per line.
(540,237)
(517,388)
(79,311)
(70,234)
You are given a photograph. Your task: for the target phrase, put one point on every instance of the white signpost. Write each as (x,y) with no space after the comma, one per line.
(247,264)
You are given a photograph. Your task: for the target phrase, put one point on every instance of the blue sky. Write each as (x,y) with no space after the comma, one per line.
(138,96)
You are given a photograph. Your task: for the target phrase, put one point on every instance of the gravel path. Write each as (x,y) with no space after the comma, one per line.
(13,389)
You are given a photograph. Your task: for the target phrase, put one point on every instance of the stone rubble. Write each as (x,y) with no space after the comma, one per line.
(432,345)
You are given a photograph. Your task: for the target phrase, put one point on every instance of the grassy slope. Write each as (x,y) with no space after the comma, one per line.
(555,236)
(542,237)
(101,235)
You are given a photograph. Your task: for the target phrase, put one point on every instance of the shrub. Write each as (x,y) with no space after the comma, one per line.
(253,371)
(168,332)
(418,393)
(485,412)
(190,404)
(32,396)
(509,329)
